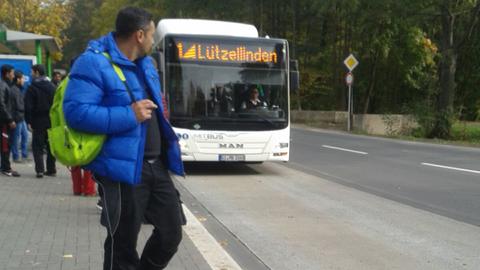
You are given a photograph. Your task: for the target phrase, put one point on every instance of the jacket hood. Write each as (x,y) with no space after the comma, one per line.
(107,44)
(42,83)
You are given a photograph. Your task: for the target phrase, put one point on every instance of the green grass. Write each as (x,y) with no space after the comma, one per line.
(466,131)
(462,134)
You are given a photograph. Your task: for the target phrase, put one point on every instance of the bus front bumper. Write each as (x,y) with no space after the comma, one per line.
(280,156)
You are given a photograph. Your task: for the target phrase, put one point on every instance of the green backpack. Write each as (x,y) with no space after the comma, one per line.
(72,147)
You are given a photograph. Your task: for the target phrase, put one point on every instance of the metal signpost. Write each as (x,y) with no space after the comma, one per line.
(351,63)
(349,81)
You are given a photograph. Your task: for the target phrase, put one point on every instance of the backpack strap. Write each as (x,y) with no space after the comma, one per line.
(120,75)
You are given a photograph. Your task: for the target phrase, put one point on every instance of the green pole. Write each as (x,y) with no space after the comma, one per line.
(3,39)
(3,36)
(38,49)
(49,64)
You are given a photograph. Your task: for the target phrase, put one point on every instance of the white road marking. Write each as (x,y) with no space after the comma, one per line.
(346,150)
(450,168)
(216,257)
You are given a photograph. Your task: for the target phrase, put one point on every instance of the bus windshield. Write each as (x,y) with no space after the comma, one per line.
(226,83)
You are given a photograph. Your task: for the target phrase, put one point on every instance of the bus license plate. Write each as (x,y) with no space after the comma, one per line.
(231,157)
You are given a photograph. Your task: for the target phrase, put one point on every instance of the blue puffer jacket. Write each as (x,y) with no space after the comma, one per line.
(97,101)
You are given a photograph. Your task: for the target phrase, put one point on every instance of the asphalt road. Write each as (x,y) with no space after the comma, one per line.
(344,202)
(270,216)
(441,179)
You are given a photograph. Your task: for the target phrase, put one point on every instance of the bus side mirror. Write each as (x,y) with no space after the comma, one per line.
(294,76)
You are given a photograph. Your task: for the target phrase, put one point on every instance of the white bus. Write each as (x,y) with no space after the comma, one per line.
(210,70)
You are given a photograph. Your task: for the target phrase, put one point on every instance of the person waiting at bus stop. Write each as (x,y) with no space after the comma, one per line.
(8,125)
(18,114)
(38,100)
(82,182)
(132,167)
(56,78)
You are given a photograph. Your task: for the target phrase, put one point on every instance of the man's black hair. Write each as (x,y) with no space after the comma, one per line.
(56,73)
(6,69)
(131,19)
(18,76)
(39,68)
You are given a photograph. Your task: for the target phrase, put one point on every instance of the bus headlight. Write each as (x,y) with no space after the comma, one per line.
(283,145)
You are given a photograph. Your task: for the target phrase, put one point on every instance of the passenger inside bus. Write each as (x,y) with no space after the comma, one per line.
(253,101)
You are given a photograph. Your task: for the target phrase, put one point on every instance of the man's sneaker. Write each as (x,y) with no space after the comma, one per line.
(39,175)
(11,173)
(18,161)
(51,174)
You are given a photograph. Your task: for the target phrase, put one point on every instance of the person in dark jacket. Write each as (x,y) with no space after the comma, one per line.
(38,100)
(7,124)
(253,101)
(132,167)
(18,115)
(56,78)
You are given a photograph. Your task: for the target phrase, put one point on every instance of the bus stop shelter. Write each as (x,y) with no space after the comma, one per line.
(42,46)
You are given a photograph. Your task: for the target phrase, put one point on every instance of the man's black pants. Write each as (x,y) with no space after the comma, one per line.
(39,145)
(6,133)
(155,200)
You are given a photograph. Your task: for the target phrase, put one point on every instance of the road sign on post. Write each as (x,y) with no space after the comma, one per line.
(349,79)
(351,63)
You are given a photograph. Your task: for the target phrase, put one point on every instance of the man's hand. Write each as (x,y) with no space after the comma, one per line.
(12,125)
(143,109)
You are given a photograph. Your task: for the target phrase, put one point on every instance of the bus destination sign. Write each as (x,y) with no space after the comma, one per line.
(211,52)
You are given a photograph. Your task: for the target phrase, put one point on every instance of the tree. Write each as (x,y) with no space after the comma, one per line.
(452,38)
(104,17)
(467,96)
(46,17)
(79,32)
(415,55)
(103,20)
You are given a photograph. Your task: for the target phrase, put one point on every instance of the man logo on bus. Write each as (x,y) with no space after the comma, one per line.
(231,145)
(218,53)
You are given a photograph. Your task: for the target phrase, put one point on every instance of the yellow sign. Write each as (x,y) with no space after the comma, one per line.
(351,62)
(217,52)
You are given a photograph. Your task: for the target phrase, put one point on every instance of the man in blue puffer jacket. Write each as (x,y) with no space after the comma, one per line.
(141,145)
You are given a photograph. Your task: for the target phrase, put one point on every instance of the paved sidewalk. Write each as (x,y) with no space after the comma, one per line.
(43,226)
